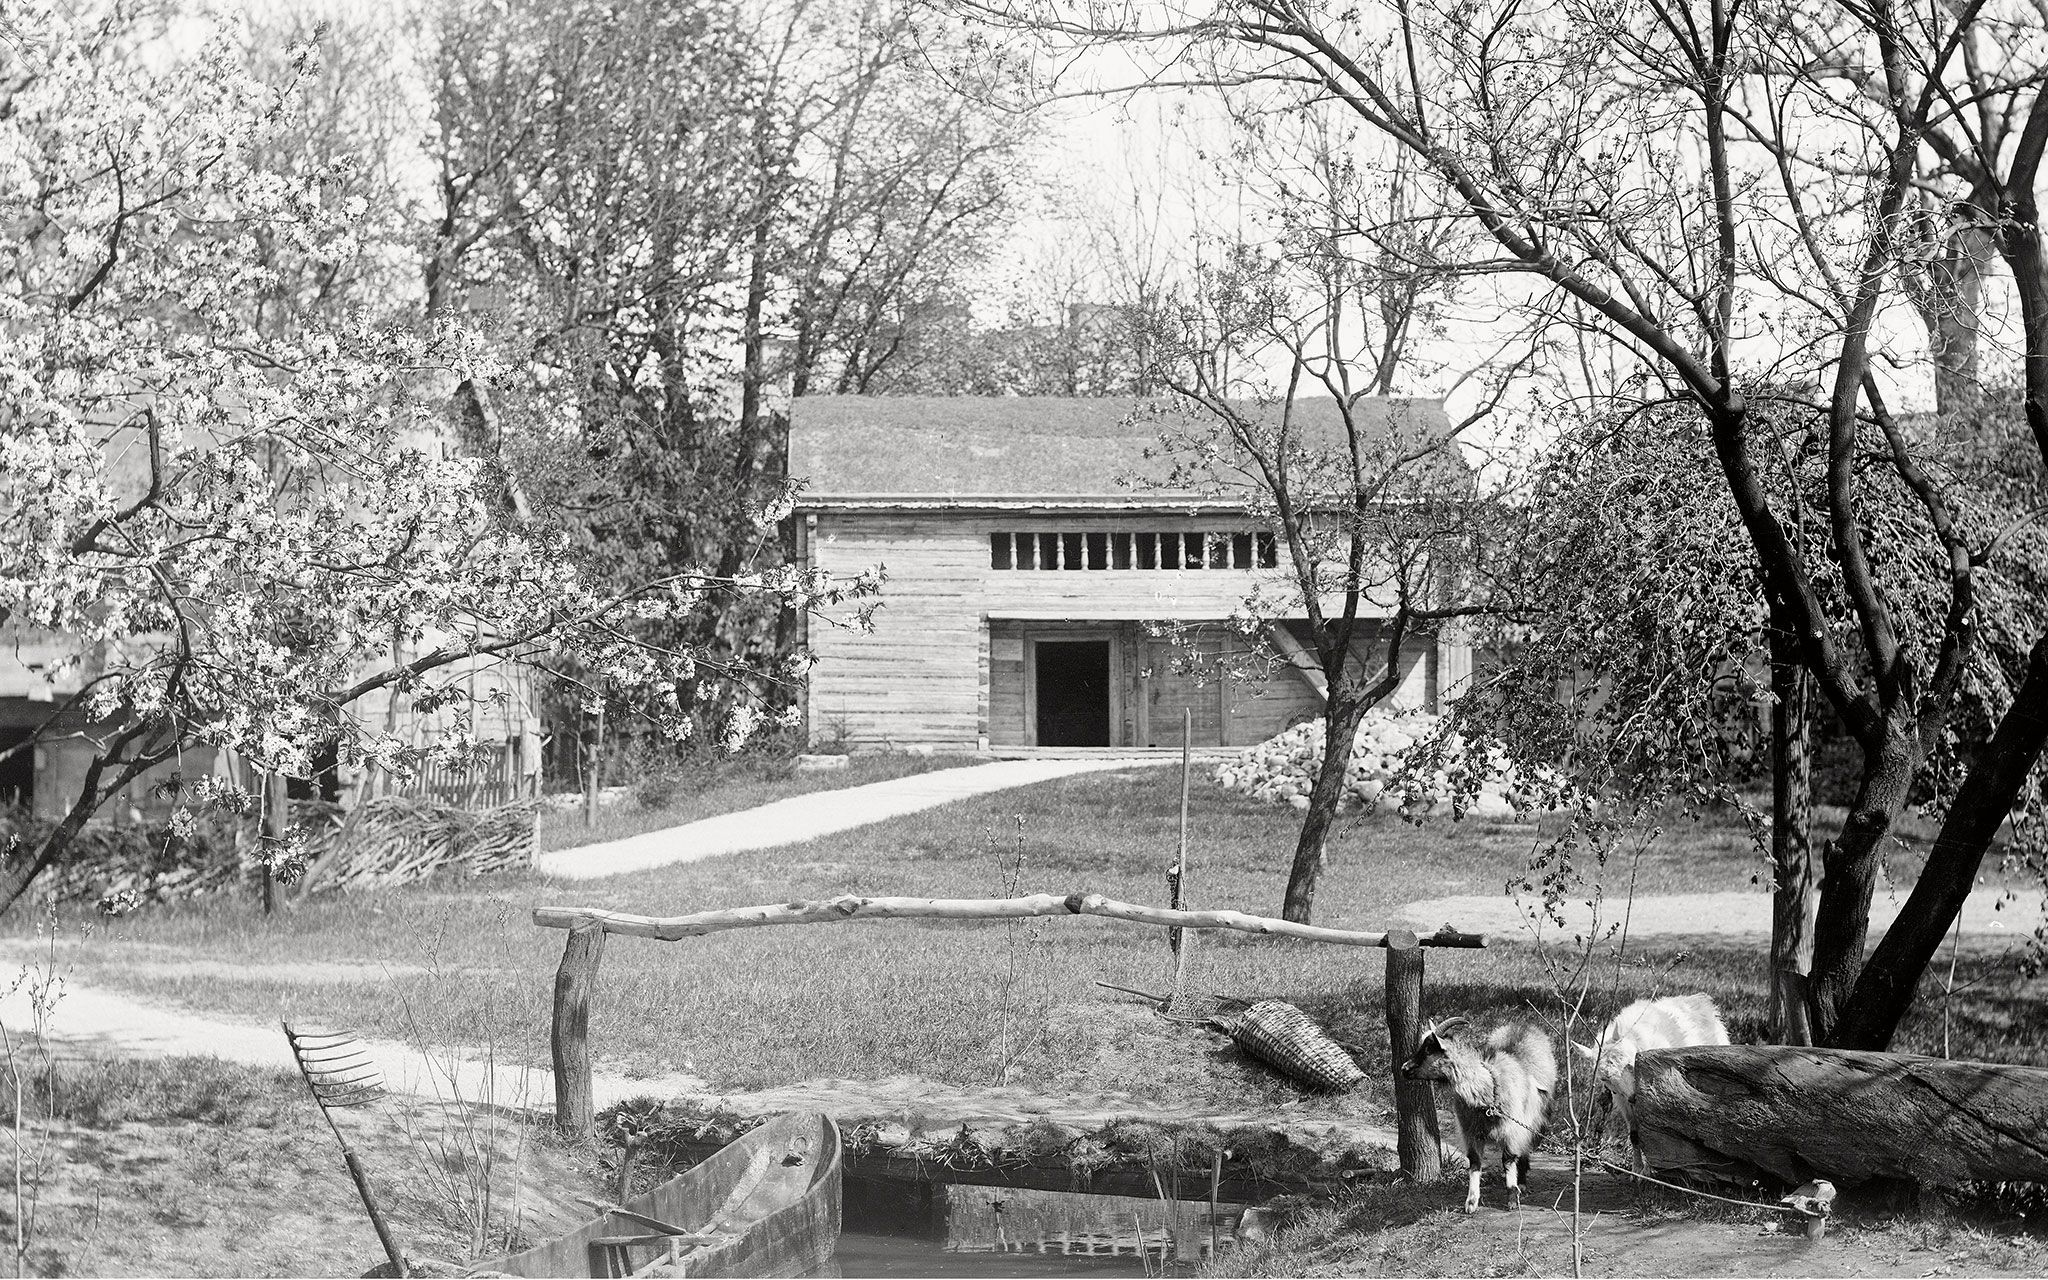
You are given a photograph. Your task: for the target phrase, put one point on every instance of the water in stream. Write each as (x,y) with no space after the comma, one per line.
(893,1228)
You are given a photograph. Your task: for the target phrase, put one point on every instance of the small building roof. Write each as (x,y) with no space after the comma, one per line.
(1004,451)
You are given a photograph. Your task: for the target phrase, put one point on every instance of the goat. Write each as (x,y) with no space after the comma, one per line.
(1673,1022)
(1500,1094)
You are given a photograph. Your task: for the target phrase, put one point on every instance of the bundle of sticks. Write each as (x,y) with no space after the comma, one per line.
(395,840)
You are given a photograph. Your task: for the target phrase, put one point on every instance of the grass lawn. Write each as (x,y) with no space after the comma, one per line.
(707,788)
(459,963)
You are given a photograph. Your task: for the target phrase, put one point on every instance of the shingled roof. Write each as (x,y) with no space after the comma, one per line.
(1004,450)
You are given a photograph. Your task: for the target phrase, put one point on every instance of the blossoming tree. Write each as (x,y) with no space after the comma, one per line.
(250,537)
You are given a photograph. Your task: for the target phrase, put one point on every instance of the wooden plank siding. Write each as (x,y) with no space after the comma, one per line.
(949,663)
(1186,676)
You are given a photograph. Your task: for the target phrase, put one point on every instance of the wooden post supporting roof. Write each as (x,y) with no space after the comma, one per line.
(1296,657)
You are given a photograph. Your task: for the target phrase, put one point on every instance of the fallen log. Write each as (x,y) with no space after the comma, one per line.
(1796,1114)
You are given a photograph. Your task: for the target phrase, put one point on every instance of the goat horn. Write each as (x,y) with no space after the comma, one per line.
(1448,1024)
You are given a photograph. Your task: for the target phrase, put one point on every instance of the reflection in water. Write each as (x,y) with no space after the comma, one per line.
(1002,1220)
(895,1228)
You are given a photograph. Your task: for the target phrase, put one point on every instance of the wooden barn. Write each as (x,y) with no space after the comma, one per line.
(1031,596)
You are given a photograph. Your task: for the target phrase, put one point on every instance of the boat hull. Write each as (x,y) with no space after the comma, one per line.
(786,1175)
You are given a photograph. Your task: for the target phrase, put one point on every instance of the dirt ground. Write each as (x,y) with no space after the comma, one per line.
(256,1187)
(1422,1231)
(273,1198)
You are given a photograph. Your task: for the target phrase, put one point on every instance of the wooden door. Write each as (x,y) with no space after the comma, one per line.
(1176,679)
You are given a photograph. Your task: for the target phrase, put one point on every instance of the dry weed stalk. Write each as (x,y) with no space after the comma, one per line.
(468,1139)
(26,1061)
(1028,937)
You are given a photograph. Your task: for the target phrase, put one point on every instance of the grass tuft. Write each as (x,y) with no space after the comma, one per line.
(103,1093)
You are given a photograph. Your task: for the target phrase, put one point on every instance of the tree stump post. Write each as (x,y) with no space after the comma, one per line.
(575,981)
(1414,1105)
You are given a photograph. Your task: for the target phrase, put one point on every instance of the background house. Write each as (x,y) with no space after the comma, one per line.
(1026,585)
(44,747)
(47,744)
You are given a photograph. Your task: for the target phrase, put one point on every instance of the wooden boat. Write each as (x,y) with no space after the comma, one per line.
(767,1204)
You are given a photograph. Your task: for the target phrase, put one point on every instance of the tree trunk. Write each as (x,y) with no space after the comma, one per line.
(276,820)
(1849,874)
(2020,243)
(1953,310)
(1797,896)
(753,349)
(19,872)
(1342,716)
(593,764)
(1801,1113)
(1887,985)
(1417,1141)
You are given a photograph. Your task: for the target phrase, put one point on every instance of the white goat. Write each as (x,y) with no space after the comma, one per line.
(1673,1022)
(1500,1094)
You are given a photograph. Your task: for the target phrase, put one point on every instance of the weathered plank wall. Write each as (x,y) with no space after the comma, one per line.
(1228,711)
(1006,649)
(946,664)
(61,764)
(1258,711)
(917,678)
(1188,676)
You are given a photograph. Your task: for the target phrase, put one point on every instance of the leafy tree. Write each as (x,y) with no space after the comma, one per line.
(345,141)
(1689,186)
(251,530)
(671,211)
(900,184)
(1073,300)
(1378,516)
(1641,654)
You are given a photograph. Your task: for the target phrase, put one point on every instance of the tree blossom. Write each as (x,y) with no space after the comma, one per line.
(253,539)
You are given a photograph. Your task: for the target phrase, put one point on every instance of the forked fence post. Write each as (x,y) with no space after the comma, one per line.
(575,981)
(1414,1104)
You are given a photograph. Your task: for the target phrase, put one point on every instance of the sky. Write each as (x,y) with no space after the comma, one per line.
(1141,181)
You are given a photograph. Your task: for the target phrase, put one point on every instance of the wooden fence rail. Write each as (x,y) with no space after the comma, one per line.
(576,978)
(834,910)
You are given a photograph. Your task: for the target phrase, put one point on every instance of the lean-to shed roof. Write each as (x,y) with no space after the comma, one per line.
(982,451)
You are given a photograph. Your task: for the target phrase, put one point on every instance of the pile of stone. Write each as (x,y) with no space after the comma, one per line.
(1283,769)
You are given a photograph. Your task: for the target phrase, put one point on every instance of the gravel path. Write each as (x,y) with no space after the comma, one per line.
(806,817)
(91,1022)
(1738,914)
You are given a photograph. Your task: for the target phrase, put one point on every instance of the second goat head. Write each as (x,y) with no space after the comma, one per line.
(1674,1022)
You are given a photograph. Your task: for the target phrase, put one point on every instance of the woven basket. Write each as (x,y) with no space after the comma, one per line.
(1278,1033)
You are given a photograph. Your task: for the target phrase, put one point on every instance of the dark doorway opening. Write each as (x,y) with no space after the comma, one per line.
(325,784)
(18,770)
(1073,693)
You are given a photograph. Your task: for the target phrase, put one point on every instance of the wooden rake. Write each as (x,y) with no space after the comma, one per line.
(339,1072)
